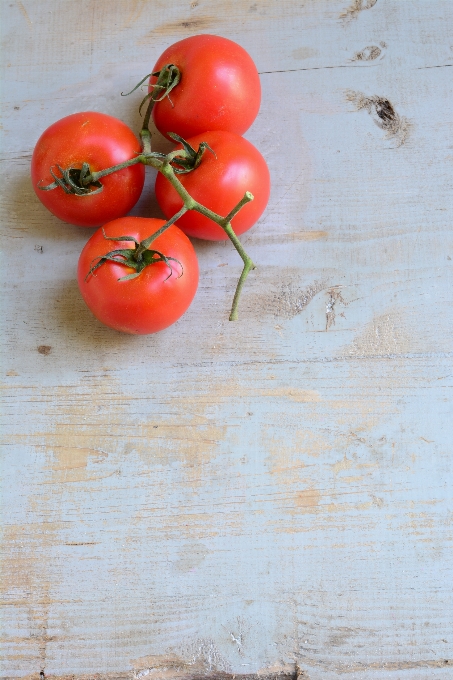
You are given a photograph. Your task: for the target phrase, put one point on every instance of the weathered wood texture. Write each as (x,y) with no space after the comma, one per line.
(238,496)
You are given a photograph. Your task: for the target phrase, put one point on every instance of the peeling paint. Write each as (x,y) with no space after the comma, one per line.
(383,114)
(357,6)
(385,335)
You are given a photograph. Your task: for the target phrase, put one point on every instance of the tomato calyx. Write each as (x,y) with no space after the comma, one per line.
(186,159)
(167,78)
(74,181)
(138,257)
(83,182)
(80,181)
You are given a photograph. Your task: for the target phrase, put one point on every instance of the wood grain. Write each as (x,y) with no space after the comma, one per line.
(269,496)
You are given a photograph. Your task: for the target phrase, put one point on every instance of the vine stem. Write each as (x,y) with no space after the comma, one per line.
(224,222)
(95,176)
(162,163)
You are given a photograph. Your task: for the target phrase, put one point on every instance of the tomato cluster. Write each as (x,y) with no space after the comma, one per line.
(138,274)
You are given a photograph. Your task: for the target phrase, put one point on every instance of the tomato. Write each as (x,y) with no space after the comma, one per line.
(153,300)
(101,141)
(219,183)
(219,87)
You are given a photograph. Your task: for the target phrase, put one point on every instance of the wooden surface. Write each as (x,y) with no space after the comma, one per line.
(233,497)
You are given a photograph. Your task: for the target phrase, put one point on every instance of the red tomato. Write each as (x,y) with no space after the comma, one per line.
(219,88)
(219,183)
(101,141)
(154,299)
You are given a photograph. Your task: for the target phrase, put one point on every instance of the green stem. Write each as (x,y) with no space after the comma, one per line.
(163,165)
(147,117)
(144,245)
(248,265)
(94,176)
(224,222)
(145,136)
(167,78)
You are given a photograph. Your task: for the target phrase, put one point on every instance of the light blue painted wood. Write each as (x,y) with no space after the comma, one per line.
(246,495)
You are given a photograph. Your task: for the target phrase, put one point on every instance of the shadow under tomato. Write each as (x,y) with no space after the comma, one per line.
(79,325)
(89,341)
(60,314)
(29,217)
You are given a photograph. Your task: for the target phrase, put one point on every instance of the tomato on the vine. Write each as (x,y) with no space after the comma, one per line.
(219,183)
(101,141)
(143,303)
(219,88)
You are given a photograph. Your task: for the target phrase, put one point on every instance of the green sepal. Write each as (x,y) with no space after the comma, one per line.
(167,78)
(119,238)
(125,257)
(138,85)
(187,147)
(145,99)
(113,257)
(71,180)
(130,276)
(193,159)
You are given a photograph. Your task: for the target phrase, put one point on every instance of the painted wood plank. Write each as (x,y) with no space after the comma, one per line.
(233,497)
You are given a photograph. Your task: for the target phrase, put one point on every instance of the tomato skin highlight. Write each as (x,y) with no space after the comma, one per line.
(219,89)
(153,300)
(101,141)
(219,183)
